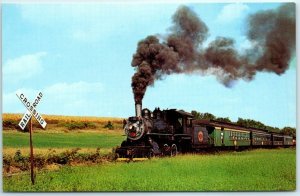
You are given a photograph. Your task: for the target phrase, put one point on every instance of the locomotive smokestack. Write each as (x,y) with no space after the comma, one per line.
(138,109)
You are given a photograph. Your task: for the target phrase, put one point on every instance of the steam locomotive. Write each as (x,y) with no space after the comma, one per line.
(167,132)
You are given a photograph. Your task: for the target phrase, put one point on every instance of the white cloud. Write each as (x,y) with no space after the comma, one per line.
(232,12)
(73,98)
(78,98)
(23,67)
(11,103)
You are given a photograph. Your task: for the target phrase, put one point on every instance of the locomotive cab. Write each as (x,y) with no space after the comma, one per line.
(172,120)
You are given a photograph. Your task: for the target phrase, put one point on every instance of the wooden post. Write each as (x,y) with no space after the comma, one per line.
(31,152)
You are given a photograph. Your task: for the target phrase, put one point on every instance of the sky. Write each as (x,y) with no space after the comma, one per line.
(79,56)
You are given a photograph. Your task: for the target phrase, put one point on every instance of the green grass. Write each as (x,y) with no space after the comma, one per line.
(256,170)
(62,140)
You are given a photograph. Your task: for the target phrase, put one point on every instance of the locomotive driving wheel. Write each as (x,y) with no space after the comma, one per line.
(173,150)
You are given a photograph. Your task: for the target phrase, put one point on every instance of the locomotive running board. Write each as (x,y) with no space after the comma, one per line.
(133,159)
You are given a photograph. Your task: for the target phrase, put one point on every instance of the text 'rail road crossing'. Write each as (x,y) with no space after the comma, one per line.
(31,111)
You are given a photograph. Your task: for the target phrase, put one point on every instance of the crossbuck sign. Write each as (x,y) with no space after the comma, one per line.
(31,110)
(27,117)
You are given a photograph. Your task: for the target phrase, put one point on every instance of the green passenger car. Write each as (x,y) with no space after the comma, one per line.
(230,137)
(212,133)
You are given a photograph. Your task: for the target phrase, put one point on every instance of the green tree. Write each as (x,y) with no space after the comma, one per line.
(203,116)
(289,131)
(251,123)
(109,125)
(273,129)
(195,114)
(207,116)
(224,119)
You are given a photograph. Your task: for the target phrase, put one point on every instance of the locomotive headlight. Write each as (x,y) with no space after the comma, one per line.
(134,131)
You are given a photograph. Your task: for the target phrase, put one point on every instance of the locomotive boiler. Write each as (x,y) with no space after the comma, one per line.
(167,132)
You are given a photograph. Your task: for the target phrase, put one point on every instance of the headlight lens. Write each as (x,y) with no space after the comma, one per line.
(134,131)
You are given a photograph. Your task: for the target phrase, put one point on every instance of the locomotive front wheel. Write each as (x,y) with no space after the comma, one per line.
(151,153)
(116,156)
(173,150)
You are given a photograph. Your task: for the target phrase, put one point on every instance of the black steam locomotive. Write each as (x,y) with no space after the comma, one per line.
(167,132)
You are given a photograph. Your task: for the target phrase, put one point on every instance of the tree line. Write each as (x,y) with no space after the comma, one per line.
(246,123)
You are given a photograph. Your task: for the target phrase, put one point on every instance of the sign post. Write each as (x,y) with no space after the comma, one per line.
(31,152)
(31,111)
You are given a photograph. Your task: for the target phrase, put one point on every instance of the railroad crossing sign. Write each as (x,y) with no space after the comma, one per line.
(31,111)
(27,117)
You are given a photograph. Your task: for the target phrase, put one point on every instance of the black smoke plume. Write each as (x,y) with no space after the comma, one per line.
(271,33)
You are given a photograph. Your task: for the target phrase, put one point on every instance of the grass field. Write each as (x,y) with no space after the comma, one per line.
(256,170)
(15,139)
(63,137)
(58,135)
